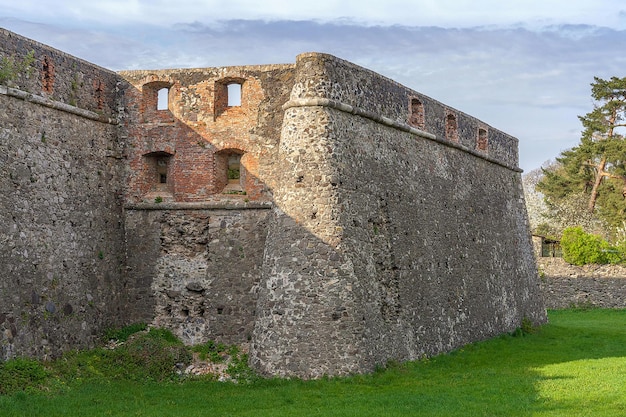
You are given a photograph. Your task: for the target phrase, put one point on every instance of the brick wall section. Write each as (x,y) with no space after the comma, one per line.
(199,124)
(210,292)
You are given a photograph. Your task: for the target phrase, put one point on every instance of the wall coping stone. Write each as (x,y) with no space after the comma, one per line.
(202,205)
(333,104)
(57,105)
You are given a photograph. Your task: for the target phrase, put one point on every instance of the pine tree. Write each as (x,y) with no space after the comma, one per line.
(596,167)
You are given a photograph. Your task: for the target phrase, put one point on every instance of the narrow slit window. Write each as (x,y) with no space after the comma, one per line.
(452,127)
(417,114)
(234,95)
(482,141)
(163,99)
(162,170)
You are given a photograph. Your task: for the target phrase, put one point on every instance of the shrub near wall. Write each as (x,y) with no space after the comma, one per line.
(581,248)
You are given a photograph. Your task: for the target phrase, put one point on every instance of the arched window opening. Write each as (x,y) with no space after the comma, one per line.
(156,97)
(157,168)
(163,98)
(482,141)
(228,95)
(229,172)
(234,94)
(416,118)
(452,128)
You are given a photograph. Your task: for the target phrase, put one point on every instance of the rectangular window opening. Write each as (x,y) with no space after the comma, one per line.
(234,95)
(163,99)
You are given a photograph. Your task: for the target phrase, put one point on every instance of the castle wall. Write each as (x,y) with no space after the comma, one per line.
(61,234)
(196,132)
(332,217)
(389,242)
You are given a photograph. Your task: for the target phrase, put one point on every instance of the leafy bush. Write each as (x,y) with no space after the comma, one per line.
(233,174)
(11,68)
(239,370)
(581,248)
(21,374)
(156,355)
(81,365)
(214,352)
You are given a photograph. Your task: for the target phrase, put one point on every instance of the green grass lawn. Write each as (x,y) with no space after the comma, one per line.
(574,366)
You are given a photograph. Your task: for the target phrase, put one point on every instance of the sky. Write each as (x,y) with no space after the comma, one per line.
(522,66)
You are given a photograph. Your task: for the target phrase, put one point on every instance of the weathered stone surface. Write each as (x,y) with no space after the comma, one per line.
(201,291)
(387,244)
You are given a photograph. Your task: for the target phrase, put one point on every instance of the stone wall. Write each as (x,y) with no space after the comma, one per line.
(61,234)
(63,78)
(197,268)
(565,286)
(196,239)
(388,242)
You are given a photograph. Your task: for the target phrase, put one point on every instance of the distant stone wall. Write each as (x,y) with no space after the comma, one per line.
(565,286)
(388,241)
(61,233)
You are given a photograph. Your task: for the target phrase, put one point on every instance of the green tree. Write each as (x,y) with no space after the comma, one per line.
(596,167)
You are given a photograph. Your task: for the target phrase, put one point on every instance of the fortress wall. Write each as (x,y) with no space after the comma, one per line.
(440,244)
(309,316)
(376,223)
(388,243)
(372,95)
(62,77)
(61,239)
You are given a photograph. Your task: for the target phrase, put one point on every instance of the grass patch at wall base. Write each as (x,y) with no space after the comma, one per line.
(574,366)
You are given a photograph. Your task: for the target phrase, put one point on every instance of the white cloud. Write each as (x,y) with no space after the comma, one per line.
(444,13)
